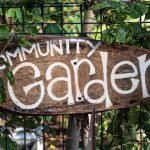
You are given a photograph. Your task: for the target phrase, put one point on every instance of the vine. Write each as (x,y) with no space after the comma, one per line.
(119,19)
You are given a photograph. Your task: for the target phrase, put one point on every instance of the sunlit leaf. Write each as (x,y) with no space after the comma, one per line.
(11,12)
(53,28)
(137,10)
(32,30)
(24,42)
(121,35)
(18,14)
(9,75)
(108,37)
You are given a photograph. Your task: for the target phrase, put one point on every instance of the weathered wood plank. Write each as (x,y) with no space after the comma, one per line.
(67,75)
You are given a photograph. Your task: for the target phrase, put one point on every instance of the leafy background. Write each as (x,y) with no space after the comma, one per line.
(114,21)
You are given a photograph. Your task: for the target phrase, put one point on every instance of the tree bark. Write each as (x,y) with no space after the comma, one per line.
(88,21)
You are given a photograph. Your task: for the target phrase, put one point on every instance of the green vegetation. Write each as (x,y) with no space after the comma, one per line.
(123,23)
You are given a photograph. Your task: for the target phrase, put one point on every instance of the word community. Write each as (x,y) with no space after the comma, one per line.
(57,47)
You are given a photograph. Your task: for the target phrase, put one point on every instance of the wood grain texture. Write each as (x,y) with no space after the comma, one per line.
(116,54)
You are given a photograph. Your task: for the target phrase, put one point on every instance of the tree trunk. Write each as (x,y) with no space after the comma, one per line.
(88,21)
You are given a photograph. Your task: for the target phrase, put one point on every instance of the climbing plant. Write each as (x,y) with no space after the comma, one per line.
(121,22)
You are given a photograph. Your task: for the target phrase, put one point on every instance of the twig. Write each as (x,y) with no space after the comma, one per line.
(7,44)
(134,142)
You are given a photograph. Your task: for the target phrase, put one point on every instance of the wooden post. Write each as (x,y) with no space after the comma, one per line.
(73,134)
(72,129)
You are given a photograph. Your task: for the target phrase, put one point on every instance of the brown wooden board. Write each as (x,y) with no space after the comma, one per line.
(58,75)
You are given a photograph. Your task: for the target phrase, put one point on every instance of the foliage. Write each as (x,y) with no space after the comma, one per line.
(4,32)
(126,124)
(119,26)
(10,77)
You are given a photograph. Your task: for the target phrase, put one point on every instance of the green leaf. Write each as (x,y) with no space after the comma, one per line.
(137,10)
(36,11)
(15,121)
(134,116)
(146,43)
(29,17)
(11,12)
(108,37)
(101,5)
(115,5)
(24,42)
(147,16)
(9,75)
(121,15)
(4,32)
(37,14)
(48,118)
(53,28)
(1,83)
(18,14)
(11,145)
(121,35)
(106,4)
(2,91)
(30,123)
(32,30)
(135,28)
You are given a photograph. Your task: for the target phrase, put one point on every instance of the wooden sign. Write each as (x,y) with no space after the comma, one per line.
(58,75)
